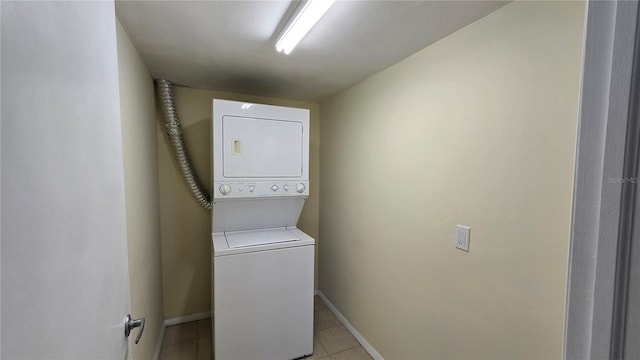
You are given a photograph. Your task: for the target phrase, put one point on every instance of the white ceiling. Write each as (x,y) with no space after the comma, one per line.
(229,45)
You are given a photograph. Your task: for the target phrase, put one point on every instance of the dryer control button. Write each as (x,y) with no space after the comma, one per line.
(225,189)
(300,187)
(252,187)
(285,187)
(274,187)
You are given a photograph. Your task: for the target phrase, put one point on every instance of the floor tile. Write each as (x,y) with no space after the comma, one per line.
(180,333)
(336,339)
(318,304)
(204,329)
(318,350)
(356,353)
(324,319)
(183,351)
(205,351)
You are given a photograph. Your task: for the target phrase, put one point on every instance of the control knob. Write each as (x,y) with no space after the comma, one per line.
(300,187)
(252,187)
(274,187)
(285,187)
(225,189)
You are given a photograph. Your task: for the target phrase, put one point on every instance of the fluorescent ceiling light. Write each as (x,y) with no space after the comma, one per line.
(301,23)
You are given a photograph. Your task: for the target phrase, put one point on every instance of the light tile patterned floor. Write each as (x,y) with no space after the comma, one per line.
(331,340)
(188,341)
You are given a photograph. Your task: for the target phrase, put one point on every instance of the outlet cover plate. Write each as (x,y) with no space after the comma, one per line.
(462,237)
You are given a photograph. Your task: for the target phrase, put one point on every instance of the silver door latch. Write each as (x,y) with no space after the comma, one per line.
(132,324)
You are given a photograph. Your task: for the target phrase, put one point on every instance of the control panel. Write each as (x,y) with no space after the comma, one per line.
(234,190)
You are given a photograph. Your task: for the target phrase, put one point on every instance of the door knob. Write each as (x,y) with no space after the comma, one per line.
(132,324)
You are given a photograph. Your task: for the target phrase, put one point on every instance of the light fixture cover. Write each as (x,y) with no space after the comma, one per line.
(301,23)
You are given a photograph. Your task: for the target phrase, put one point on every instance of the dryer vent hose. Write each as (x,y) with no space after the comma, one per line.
(174,131)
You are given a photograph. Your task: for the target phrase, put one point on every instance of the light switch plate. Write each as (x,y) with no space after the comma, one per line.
(462,237)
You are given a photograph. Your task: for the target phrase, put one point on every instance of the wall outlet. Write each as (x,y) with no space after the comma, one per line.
(462,237)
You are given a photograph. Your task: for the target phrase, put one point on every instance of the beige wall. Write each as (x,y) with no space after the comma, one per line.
(478,129)
(141,191)
(185,226)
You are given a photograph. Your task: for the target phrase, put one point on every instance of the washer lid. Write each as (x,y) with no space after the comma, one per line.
(240,239)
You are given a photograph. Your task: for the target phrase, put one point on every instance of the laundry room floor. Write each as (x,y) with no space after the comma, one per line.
(331,340)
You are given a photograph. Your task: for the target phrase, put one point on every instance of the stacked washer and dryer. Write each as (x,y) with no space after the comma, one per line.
(262,265)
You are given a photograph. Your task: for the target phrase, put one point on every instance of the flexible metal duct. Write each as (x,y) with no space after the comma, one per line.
(174,131)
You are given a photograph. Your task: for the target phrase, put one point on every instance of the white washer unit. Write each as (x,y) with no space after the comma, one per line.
(262,265)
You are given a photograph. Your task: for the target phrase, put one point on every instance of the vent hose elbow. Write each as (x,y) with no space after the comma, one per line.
(174,131)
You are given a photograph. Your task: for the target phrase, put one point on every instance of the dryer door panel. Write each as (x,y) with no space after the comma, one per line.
(261,148)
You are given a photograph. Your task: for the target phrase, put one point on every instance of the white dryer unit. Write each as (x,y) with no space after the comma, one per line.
(262,264)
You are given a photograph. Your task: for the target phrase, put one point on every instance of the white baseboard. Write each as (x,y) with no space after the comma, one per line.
(187,318)
(356,334)
(156,354)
